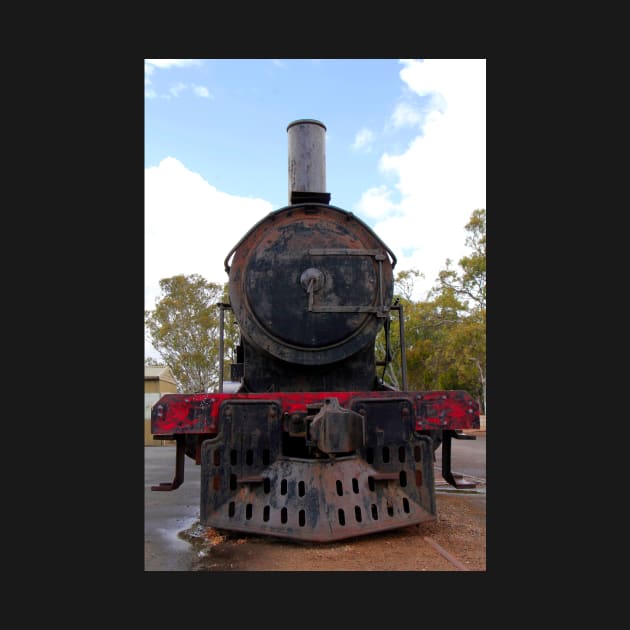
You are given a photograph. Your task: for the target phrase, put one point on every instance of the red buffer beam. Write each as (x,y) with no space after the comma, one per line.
(200,413)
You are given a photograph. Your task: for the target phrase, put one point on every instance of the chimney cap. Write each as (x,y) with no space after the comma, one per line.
(306,121)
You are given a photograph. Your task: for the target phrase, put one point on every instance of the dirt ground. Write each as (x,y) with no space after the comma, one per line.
(455,542)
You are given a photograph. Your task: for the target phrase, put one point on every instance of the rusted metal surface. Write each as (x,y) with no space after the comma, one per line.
(250,484)
(307,157)
(310,323)
(300,499)
(335,429)
(199,413)
(314,465)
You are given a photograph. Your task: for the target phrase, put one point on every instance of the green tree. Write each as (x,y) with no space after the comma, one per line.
(184,329)
(470,284)
(426,326)
(404,283)
(464,347)
(445,335)
(430,323)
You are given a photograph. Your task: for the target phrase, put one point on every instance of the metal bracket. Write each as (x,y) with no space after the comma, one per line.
(455,480)
(179,467)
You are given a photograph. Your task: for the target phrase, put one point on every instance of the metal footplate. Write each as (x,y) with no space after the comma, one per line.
(250,485)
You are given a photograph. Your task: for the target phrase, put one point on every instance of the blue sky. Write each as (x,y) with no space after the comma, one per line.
(405,151)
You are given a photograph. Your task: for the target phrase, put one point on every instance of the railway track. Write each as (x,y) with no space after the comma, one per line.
(478,486)
(445,554)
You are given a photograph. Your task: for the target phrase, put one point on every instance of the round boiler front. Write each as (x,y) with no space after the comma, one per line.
(310,284)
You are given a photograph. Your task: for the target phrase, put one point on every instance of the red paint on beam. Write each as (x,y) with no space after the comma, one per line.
(199,413)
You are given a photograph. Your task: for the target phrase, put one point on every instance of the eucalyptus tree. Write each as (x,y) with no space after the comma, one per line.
(184,330)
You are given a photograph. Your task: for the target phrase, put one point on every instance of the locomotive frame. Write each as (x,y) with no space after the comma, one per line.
(313,446)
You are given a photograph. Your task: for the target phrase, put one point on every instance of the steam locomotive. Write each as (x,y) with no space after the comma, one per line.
(313,445)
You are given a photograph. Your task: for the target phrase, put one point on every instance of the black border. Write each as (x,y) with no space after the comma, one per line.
(106,274)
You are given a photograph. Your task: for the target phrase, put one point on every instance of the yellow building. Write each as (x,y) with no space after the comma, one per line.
(158,380)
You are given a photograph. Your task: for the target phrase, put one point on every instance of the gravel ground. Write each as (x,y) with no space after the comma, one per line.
(455,542)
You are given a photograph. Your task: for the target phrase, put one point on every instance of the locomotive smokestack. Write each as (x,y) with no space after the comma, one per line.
(307,162)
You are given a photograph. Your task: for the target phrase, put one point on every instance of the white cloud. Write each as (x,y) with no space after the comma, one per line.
(190,227)
(363,140)
(177,89)
(202,91)
(184,214)
(441,177)
(151,65)
(375,203)
(405,115)
(278,63)
(170,63)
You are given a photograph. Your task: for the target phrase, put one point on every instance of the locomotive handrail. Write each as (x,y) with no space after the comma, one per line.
(392,257)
